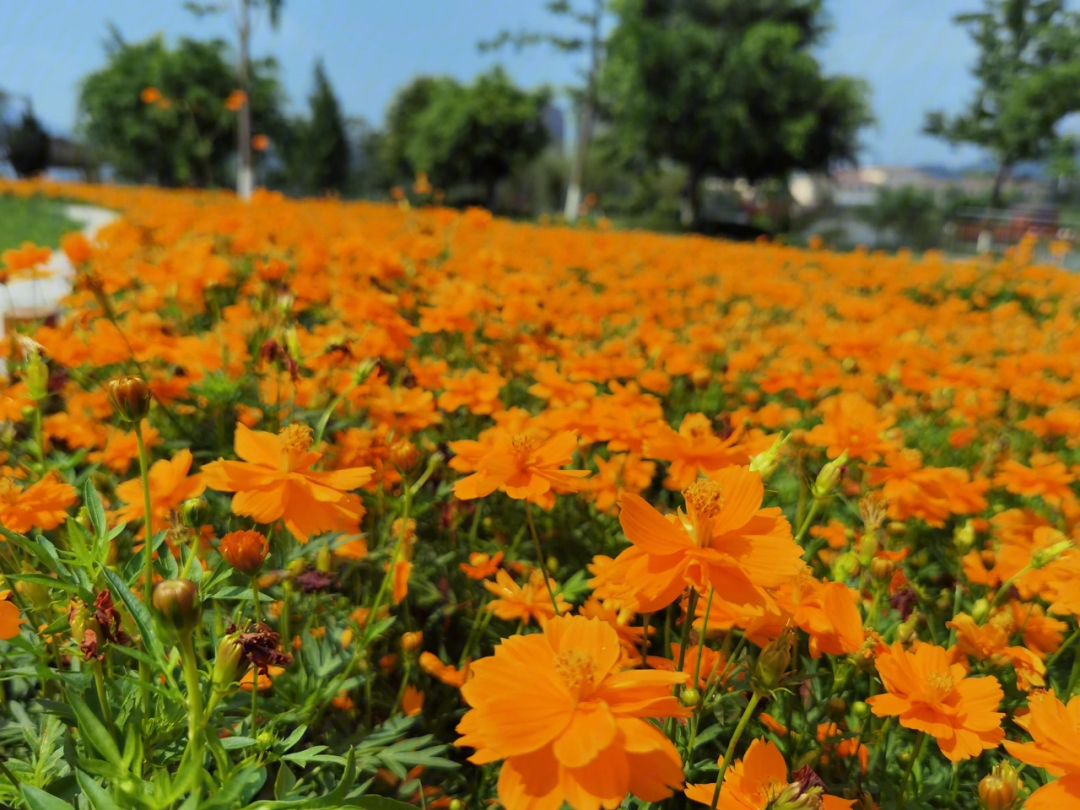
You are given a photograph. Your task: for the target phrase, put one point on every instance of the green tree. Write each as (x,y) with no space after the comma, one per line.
(326,147)
(408,105)
(474,135)
(1029,80)
(590,21)
(729,88)
(26,146)
(186,136)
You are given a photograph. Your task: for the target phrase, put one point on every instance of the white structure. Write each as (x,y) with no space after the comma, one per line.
(41,296)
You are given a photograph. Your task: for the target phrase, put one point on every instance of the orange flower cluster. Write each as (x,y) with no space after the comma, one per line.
(749,472)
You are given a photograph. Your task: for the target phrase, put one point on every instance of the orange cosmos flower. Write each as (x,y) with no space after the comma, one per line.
(853,424)
(567,723)
(10,620)
(760,780)
(523,468)
(412,701)
(43,504)
(245,551)
(260,143)
(444,673)
(1046,476)
(480,565)
(149,95)
(724,539)
(528,602)
(235,100)
(475,389)
(695,448)
(275,480)
(170,486)
(1056,730)
(928,694)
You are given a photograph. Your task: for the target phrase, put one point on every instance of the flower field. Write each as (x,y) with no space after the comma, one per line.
(320,504)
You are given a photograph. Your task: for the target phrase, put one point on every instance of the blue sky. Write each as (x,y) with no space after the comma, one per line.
(913,56)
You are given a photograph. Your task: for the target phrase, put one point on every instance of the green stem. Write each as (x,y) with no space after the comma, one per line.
(688,619)
(1057,654)
(148,520)
(190,664)
(805,527)
(103,698)
(39,435)
(407,492)
(148,575)
(540,557)
(911,765)
(255,672)
(730,753)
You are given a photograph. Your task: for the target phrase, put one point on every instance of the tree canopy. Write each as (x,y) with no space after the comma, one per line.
(729,88)
(466,136)
(1029,80)
(179,132)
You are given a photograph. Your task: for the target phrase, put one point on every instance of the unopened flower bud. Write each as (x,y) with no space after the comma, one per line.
(907,629)
(227,663)
(403,454)
(245,551)
(998,789)
(767,462)
(296,567)
(324,560)
(36,376)
(829,477)
(457,804)
(882,569)
(130,397)
(265,739)
(773,662)
(411,642)
(552,565)
(690,698)
(194,512)
(980,610)
(964,536)
(845,566)
(178,602)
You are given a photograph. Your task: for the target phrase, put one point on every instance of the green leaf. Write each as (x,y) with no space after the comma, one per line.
(92,502)
(94,733)
(240,787)
(37,799)
(44,581)
(99,798)
(285,781)
(139,613)
(233,743)
(379,803)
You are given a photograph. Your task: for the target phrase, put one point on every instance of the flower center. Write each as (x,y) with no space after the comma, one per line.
(695,426)
(704,498)
(577,670)
(940,683)
(523,444)
(296,438)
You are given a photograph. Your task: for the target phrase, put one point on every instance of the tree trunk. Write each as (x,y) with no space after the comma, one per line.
(585,122)
(245,176)
(577,172)
(1002,177)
